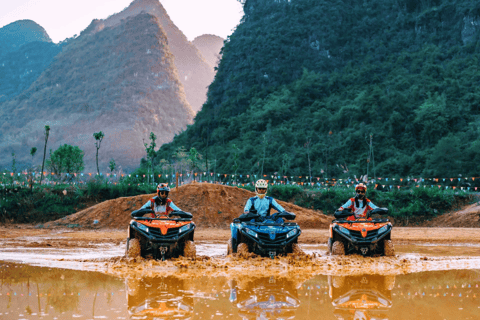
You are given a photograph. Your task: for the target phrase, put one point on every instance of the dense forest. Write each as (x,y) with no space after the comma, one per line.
(338,87)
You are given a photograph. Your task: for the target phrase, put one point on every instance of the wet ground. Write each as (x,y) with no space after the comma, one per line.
(60,274)
(28,292)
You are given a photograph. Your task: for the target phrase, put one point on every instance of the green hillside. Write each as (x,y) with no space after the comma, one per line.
(321,79)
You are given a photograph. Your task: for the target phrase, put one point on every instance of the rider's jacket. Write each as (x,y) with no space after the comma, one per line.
(360,211)
(158,208)
(262,206)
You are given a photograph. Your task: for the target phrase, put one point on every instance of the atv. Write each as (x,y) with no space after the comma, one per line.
(165,237)
(267,297)
(266,236)
(165,297)
(361,297)
(366,236)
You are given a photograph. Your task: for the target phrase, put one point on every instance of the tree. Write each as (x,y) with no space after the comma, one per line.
(66,159)
(112,165)
(32,153)
(98,137)
(307,146)
(47,132)
(181,155)
(150,149)
(235,160)
(194,157)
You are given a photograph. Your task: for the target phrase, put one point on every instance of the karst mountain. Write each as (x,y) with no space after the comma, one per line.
(128,75)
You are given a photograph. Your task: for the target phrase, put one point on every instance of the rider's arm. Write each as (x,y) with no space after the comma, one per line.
(346,205)
(248,206)
(276,206)
(371,205)
(147,205)
(174,207)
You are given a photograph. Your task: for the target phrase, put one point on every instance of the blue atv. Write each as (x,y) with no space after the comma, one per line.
(266,236)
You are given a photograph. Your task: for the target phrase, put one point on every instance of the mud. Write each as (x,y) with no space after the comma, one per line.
(418,249)
(212,205)
(90,240)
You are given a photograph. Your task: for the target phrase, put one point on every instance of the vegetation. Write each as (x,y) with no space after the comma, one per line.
(98,137)
(66,159)
(339,88)
(47,132)
(46,203)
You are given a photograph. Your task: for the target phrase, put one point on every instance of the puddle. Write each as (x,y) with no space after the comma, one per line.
(29,292)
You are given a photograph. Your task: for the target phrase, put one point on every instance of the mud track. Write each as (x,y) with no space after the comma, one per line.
(110,244)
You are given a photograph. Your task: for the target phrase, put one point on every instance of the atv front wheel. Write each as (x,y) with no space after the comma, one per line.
(242,249)
(296,250)
(229,247)
(134,249)
(388,248)
(338,281)
(389,282)
(134,286)
(338,248)
(189,251)
(329,245)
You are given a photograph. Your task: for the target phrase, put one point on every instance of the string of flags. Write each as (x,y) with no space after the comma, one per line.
(462,183)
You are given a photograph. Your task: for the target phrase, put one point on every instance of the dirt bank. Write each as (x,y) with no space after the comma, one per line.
(212,205)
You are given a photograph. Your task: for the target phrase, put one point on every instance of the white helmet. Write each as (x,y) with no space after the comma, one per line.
(261,184)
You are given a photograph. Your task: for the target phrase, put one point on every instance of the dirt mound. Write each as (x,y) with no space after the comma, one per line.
(212,205)
(468,217)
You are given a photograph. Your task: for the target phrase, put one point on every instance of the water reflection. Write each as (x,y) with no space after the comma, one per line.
(47,293)
(265,297)
(361,297)
(159,297)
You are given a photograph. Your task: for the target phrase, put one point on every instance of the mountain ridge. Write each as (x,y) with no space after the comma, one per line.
(121,80)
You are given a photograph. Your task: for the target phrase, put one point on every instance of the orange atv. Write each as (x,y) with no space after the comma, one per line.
(366,236)
(161,238)
(361,297)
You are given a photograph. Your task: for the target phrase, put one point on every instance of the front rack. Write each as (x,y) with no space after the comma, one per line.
(163,219)
(361,221)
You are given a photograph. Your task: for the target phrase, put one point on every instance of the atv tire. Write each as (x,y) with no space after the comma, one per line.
(388,248)
(296,250)
(134,249)
(189,251)
(389,282)
(329,245)
(134,287)
(338,281)
(242,249)
(229,247)
(338,248)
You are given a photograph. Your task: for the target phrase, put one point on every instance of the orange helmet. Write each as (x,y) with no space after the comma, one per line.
(163,187)
(361,186)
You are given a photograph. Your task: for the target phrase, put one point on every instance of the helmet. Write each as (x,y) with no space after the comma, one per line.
(261,184)
(361,186)
(163,187)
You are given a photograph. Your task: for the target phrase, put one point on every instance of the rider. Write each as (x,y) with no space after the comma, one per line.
(261,204)
(359,205)
(160,204)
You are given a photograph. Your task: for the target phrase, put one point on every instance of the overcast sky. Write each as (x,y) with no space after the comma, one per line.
(64,18)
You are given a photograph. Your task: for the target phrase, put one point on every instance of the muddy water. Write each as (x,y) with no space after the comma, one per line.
(28,292)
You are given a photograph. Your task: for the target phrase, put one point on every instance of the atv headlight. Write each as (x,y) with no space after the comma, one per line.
(383,229)
(251,232)
(344,230)
(184,228)
(142,227)
(291,233)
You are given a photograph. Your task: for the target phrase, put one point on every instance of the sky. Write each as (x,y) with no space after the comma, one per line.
(64,18)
